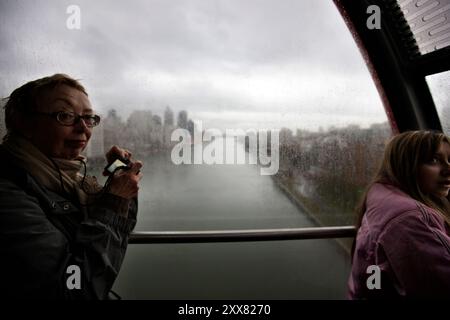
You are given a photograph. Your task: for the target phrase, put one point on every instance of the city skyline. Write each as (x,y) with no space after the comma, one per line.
(231,63)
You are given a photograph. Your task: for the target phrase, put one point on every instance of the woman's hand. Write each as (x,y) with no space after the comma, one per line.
(125,183)
(116,152)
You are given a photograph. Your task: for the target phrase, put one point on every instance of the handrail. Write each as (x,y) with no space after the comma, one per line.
(148,237)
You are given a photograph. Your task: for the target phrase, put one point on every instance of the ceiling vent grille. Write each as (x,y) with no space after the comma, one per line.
(429,23)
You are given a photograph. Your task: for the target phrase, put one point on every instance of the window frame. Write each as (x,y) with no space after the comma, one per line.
(399,78)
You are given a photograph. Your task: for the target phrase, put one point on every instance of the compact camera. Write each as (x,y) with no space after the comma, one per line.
(118,163)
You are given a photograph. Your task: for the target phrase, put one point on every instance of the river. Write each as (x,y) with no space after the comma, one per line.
(223,197)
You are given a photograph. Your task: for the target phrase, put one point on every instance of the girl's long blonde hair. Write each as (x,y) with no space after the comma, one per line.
(403,156)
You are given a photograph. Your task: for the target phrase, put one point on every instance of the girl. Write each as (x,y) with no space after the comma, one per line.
(402,247)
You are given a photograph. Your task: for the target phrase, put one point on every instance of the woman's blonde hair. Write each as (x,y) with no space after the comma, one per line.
(403,156)
(23,100)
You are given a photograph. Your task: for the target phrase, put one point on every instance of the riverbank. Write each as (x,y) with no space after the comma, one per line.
(308,207)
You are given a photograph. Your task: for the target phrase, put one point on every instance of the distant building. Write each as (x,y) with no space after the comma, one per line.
(182,119)
(191,127)
(139,129)
(168,117)
(96,146)
(167,134)
(113,130)
(156,132)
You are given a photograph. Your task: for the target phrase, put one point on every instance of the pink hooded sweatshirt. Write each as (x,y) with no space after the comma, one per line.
(407,242)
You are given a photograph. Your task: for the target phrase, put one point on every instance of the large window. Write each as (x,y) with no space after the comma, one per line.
(439,85)
(288,73)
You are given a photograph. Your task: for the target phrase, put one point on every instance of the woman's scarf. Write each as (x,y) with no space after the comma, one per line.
(47,170)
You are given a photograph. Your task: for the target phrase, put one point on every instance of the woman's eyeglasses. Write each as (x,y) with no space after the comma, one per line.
(69,118)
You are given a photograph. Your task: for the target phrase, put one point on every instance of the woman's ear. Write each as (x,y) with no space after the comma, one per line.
(24,125)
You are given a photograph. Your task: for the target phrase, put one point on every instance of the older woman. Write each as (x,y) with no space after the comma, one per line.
(62,236)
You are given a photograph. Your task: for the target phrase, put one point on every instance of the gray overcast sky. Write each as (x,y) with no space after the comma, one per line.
(230,63)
